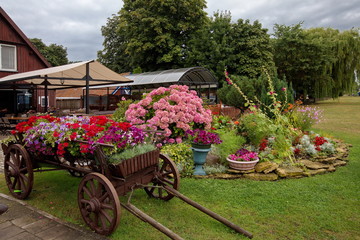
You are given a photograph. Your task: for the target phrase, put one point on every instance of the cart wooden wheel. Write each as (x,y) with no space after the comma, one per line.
(167,174)
(18,171)
(99,203)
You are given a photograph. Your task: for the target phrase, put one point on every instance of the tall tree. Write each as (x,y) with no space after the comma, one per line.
(318,62)
(252,49)
(157,31)
(55,54)
(211,47)
(114,55)
(243,47)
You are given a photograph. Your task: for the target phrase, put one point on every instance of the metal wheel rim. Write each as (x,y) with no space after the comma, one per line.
(18,171)
(99,203)
(167,174)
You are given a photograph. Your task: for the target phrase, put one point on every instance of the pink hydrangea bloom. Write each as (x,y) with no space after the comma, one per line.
(178,110)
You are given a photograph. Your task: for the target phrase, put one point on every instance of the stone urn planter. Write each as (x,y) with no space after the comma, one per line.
(242,165)
(200,152)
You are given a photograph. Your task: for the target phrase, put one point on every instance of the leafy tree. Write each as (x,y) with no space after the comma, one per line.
(55,54)
(113,55)
(252,49)
(318,62)
(157,32)
(243,47)
(211,47)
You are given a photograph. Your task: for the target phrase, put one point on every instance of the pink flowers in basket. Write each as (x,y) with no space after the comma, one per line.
(175,110)
(244,155)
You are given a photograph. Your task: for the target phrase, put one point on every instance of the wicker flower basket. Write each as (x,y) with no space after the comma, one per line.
(135,164)
(242,166)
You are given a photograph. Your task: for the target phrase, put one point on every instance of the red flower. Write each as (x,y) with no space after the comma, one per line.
(319,141)
(297,151)
(73,136)
(263,144)
(124,126)
(56,134)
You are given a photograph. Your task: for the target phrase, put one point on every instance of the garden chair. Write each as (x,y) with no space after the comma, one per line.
(7,125)
(2,127)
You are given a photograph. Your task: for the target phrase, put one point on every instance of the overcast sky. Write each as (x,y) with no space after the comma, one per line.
(76,24)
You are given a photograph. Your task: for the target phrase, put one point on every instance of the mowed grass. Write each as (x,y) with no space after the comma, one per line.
(320,207)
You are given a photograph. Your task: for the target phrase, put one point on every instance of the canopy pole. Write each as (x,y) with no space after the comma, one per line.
(15,99)
(46,94)
(87,76)
(107,99)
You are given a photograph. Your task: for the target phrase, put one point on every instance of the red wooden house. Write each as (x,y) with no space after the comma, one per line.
(17,55)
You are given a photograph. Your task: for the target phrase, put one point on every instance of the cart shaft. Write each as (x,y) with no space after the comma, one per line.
(146,218)
(207,211)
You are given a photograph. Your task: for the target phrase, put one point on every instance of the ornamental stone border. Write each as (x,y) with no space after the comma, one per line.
(270,171)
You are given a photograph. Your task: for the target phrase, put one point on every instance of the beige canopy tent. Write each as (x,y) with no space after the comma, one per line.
(81,74)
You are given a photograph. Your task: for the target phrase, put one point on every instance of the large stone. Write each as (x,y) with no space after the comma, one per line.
(331,169)
(289,172)
(266,167)
(338,163)
(226,176)
(233,171)
(309,173)
(261,177)
(314,165)
(328,160)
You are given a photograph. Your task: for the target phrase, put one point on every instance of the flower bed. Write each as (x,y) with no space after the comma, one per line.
(76,136)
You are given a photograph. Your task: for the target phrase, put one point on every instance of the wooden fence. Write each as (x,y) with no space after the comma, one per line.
(231,112)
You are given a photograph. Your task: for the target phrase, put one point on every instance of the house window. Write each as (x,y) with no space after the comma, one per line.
(42,101)
(7,58)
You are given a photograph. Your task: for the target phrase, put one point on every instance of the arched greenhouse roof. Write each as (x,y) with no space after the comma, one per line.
(193,76)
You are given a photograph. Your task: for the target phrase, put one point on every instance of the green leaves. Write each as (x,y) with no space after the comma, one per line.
(55,54)
(319,62)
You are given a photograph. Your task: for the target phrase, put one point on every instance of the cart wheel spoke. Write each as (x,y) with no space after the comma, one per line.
(101,211)
(103,197)
(88,192)
(25,178)
(103,221)
(107,206)
(168,181)
(13,185)
(92,188)
(106,215)
(84,201)
(166,175)
(18,171)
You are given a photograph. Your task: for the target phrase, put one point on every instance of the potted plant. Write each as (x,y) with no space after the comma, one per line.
(243,160)
(201,141)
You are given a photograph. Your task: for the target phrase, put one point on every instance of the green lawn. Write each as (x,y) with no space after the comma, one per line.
(320,207)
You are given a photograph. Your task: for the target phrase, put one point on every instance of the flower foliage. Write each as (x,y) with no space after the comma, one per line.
(313,145)
(244,155)
(175,110)
(50,135)
(199,136)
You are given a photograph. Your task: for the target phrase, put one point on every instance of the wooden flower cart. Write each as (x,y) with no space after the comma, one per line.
(102,184)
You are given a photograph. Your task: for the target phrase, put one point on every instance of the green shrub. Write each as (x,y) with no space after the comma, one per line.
(256,126)
(212,169)
(131,152)
(119,114)
(182,155)
(220,122)
(231,143)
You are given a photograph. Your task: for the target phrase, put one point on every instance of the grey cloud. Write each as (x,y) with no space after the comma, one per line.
(76,24)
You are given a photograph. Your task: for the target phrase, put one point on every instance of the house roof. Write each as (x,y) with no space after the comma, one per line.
(23,36)
(67,76)
(193,76)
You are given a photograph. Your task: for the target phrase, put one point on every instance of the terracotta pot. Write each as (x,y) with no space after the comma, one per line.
(243,166)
